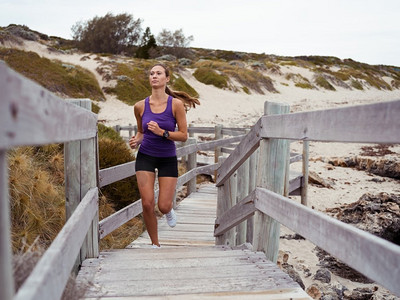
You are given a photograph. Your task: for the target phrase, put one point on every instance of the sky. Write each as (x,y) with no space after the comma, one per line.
(363,30)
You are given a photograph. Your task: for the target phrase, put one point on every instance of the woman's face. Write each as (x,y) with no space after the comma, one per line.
(157,77)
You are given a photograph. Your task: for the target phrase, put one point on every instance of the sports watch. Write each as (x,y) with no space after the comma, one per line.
(165,134)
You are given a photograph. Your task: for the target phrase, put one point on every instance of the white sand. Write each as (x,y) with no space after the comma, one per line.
(239,109)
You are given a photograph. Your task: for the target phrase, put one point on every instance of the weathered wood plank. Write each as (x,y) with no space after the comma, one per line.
(272,174)
(370,123)
(31,115)
(242,151)
(276,294)
(199,285)
(116,173)
(374,258)
(6,269)
(50,275)
(185,150)
(241,211)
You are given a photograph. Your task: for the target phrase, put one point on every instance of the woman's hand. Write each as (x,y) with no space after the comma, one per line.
(154,128)
(135,141)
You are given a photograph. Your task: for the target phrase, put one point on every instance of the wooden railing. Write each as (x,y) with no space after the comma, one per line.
(31,115)
(372,256)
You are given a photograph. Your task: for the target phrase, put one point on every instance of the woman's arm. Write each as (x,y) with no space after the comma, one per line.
(138,110)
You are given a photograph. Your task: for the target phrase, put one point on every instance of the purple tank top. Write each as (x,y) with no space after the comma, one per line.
(153,144)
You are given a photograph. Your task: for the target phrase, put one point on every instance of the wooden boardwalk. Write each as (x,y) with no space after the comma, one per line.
(189,265)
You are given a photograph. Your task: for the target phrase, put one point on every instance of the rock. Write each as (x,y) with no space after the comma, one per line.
(185,61)
(237,63)
(293,274)
(313,177)
(323,275)
(22,32)
(360,294)
(68,67)
(123,78)
(314,292)
(377,214)
(385,167)
(167,57)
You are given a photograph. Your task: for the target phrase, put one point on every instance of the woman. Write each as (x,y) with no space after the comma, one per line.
(157,117)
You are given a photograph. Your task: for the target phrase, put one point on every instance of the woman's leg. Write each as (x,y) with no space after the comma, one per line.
(167,186)
(146,188)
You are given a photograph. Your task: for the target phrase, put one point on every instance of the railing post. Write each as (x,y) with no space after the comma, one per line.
(271,175)
(130,131)
(191,164)
(80,158)
(217,151)
(242,192)
(226,197)
(252,186)
(6,272)
(231,200)
(304,185)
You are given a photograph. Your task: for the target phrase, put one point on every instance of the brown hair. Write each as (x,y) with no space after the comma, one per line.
(188,101)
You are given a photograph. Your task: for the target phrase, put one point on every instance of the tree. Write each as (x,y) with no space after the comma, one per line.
(174,43)
(108,34)
(148,43)
(174,39)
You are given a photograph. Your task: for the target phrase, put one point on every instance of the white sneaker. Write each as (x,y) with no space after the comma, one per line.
(171,218)
(155,246)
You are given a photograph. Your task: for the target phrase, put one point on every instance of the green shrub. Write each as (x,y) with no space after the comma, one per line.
(357,84)
(299,81)
(246,90)
(136,86)
(72,81)
(289,63)
(211,77)
(322,82)
(180,84)
(113,151)
(251,79)
(304,85)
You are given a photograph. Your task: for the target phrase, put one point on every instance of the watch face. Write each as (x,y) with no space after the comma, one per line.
(166,134)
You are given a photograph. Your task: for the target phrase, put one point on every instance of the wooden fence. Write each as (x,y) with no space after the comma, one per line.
(30,115)
(374,257)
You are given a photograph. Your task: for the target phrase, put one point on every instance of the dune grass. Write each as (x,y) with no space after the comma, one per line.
(133,81)
(67,81)
(218,73)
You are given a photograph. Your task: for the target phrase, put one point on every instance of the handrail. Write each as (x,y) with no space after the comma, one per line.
(242,151)
(31,115)
(119,172)
(48,282)
(368,123)
(373,123)
(375,256)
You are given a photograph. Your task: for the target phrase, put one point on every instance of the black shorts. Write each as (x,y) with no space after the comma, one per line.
(166,166)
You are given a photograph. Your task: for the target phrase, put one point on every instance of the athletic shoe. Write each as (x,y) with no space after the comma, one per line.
(155,246)
(171,218)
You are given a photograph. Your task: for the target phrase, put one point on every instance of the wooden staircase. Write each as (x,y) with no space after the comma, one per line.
(188,265)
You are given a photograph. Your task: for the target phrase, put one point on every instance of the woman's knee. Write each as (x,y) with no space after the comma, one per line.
(164,207)
(148,206)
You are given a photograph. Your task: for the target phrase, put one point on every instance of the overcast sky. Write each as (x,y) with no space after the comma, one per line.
(364,30)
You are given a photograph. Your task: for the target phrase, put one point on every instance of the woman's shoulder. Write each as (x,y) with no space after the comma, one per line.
(177,102)
(139,106)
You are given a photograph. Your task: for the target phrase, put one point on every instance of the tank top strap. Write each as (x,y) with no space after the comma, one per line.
(147,104)
(169,104)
